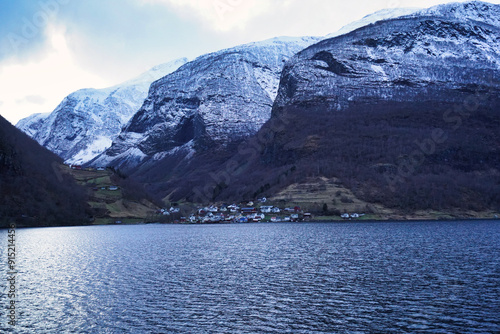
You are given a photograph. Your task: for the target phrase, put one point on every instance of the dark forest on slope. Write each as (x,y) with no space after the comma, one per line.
(406,156)
(33,190)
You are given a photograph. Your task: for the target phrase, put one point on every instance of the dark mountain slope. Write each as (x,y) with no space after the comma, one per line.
(33,190)
(405,112)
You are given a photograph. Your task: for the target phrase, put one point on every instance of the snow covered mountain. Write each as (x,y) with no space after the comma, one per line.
(215,99)
(448,48)
(228,95)
(404,111)
(86,121)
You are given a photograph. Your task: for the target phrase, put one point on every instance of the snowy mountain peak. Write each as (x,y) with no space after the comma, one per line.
(472,10)
(86,121)
(384,14)
(447,48)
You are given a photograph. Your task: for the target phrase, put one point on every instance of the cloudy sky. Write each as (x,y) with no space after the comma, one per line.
(50,48)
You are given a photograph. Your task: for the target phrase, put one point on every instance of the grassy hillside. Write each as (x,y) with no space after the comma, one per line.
(329,198)
(113,198)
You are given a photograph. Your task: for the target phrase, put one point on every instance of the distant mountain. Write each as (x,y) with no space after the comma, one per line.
(403,112)
(86,121)
(98,115)
(33,188)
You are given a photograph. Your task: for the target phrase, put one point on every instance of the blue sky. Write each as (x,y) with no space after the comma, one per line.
(50,48)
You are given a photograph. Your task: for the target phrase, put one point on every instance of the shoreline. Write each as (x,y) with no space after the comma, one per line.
(326,221)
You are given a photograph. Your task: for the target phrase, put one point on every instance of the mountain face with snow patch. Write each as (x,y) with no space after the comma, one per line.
(434,55)
(216,99)
(86,121)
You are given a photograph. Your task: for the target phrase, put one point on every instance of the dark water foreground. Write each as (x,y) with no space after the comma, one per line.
(435,277)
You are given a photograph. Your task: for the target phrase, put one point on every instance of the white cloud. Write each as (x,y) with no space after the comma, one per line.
(34,99)
(219,15)
(43,83)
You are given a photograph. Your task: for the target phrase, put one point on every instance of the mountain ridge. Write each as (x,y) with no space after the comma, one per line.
(86,146)
(352,107)
(130,148)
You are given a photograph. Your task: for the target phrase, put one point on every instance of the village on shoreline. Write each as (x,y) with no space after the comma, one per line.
(246,212)
(302,203)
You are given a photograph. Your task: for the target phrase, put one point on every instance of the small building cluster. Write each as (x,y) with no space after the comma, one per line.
(244,213)
(352,215)
(168,212)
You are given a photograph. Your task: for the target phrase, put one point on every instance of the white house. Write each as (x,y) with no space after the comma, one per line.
(266,209)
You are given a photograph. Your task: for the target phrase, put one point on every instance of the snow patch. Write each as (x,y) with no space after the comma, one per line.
(384,14)
(187,148)
(99,145)
(268,80)
(380,70)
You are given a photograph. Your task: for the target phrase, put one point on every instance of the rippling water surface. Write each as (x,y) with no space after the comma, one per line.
(436,277)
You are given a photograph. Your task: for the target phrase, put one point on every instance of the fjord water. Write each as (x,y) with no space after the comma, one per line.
(439,277)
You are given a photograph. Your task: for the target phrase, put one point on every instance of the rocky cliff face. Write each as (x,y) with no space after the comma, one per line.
(213,100)
(433,56)
(217,99)
(403,111)
(85,122)
(244,80)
